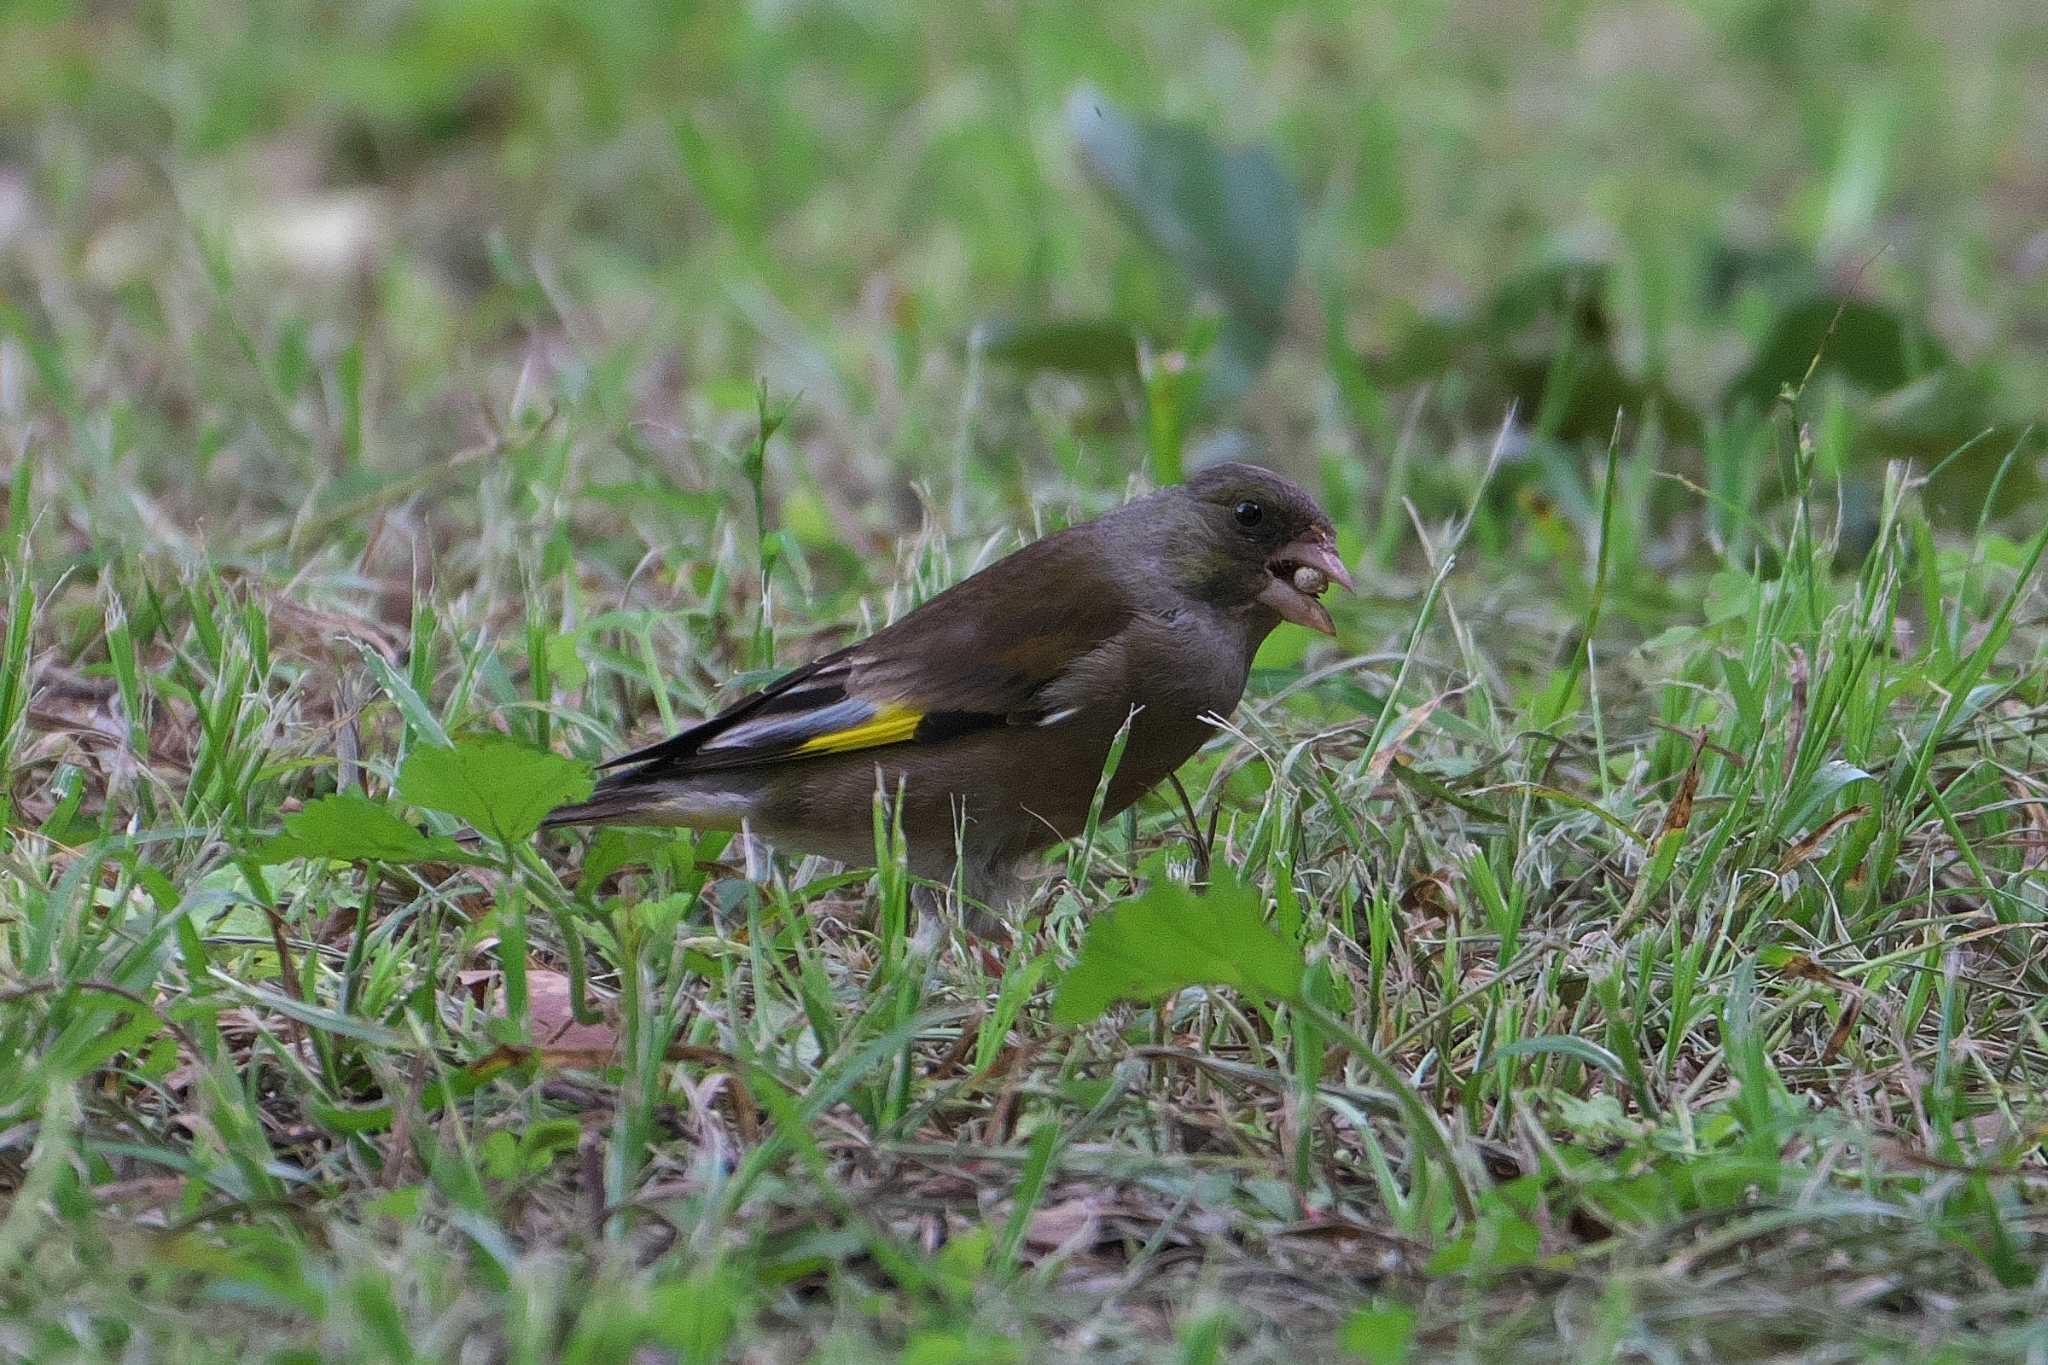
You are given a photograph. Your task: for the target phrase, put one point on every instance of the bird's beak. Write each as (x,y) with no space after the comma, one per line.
(1287,598)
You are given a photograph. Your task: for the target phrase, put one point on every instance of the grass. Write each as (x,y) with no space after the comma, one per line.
(1651,865)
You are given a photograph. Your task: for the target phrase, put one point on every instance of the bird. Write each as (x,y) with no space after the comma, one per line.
(987,714)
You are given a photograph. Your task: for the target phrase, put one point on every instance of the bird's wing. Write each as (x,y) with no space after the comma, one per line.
(985,652)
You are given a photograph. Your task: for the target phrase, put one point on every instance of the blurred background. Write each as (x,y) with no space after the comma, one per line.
(259,260)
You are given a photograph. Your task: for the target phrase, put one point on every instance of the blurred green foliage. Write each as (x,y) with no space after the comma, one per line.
(1578,209)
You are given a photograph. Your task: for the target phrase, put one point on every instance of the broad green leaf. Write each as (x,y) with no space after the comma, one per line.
(402,1203)
(958,1346)
(959,1263)
(1168,938)
(499,1154)
(565,664)
(352,827)
(495,784)
(1233,360)
(1870,345)
(696,1317)
(1731,596)
(1379,1335)
(1229,217)
(1829,779)
(1283,649)
(1092,346)
(1503,1241)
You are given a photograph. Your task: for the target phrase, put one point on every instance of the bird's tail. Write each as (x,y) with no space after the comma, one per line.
(602,808)
(633,798)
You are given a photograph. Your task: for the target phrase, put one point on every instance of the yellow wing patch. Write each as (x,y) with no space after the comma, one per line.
(891,724)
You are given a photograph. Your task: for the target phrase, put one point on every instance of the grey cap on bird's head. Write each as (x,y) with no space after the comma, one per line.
(1276,539)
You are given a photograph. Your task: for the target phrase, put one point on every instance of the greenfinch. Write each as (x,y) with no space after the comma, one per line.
(986,716)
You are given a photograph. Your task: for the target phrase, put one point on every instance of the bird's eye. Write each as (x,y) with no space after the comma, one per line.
(1248,513)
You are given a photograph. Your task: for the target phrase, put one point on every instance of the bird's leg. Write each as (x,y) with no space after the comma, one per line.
(970,888)
(930,903)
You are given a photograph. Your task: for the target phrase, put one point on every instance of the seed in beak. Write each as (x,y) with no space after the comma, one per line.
(1310,580)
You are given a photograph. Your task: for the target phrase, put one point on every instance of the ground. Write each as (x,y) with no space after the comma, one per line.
(1618,941)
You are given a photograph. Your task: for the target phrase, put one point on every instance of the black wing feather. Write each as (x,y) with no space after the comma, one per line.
(817,684)
(978,655)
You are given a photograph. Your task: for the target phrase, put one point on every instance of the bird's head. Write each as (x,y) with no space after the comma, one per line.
(1245,537)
